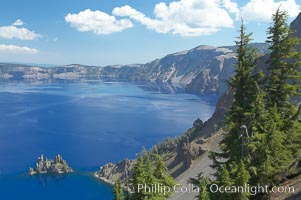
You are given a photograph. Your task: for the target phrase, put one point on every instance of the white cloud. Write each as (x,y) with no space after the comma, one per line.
(182,17)
(185,17)
(262,10)
(98,22)
(12,49)
(18,22)
(231,6)
(153,24)
(10,32)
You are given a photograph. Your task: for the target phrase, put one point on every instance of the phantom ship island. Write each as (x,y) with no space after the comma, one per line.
(56,166)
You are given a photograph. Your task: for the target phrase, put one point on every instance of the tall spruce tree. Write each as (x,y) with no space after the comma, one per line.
(118,191)
(267,111)
(201,183)
(258,142)
(224,180)
(244,85)
(150,171)
(282,87)
(162,176)
(241,120)
(284,78)
(149,177)
(242,179)
(138,177)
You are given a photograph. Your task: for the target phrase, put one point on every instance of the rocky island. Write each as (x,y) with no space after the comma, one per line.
(56,166)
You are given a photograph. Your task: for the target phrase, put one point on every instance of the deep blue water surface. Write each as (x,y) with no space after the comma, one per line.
(90,123)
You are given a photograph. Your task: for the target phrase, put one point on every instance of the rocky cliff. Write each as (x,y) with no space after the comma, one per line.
(203,69)
(296,27)
(20,72)
(112,172)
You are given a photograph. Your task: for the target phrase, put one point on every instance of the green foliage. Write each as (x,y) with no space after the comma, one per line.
(202,183)
(138,177)
(242,179)
(166,148)
(244,84)
(118,191)
(262,143)
(243,118)
(161,174)
(150,170)
(225,180)
(284,65)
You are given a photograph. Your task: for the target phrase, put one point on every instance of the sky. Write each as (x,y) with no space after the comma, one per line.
(105,32)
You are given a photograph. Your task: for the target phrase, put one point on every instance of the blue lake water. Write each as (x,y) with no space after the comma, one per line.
(90,123)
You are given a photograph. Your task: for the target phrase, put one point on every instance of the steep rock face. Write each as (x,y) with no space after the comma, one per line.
(20,72)
(296,26)
(214,72)
(203,69)
(112,172)
(216,121)
(122,73)
(184,153)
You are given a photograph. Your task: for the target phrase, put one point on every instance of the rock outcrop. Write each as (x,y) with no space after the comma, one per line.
(56,166)
(296,26)
(203,69)
(184,153)
(110,172)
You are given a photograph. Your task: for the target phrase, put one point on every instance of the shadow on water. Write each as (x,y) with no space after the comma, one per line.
(45,179)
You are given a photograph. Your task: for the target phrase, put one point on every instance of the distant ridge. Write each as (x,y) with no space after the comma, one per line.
(203,69)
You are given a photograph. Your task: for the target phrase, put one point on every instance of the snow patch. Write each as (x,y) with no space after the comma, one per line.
(180,53)
(224,50)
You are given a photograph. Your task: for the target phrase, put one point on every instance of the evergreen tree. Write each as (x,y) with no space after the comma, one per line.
(283,85)
(242,110)
(150,170)
(138,177)
(277,157)
(149,177)
(201,183)
(118,191)
(162,176)
(241,119)
(284,65)
(269,148)
(245,118)
(205,194)
(127,195)
(258,142)
(242,179)
(160,171)
(225,180)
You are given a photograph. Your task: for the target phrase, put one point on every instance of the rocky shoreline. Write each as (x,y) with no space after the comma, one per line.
(110,172)
(102,179)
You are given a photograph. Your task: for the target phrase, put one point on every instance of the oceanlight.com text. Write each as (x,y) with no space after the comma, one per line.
(253,190)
